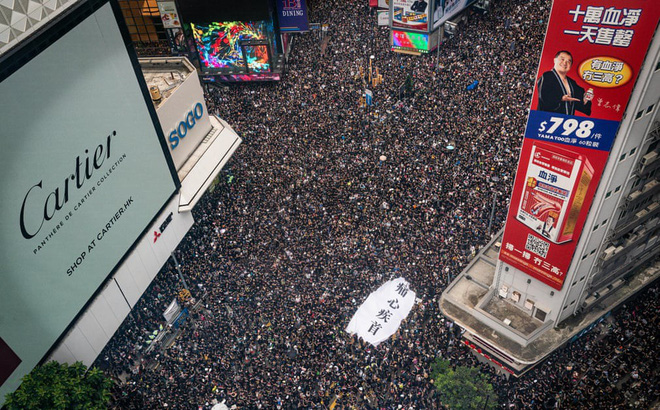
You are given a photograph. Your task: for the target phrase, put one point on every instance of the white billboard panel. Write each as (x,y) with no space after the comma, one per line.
(383,17)
(84,173)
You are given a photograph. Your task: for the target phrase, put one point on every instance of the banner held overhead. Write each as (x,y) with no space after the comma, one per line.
(382,312)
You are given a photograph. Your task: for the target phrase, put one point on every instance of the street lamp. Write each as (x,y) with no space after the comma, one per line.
(371,59)
(178,269)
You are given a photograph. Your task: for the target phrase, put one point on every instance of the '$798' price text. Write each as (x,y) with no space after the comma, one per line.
(582,129)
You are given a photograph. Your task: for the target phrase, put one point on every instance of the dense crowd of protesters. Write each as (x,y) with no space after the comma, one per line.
(325,200)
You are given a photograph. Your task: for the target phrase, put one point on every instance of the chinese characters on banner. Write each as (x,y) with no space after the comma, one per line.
(592,55)
(382,312)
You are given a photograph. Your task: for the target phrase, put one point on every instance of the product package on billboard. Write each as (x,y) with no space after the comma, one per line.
(556,184)
(410,14)
(592,55)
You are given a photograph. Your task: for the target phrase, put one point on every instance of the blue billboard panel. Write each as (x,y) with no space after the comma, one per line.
(292,15)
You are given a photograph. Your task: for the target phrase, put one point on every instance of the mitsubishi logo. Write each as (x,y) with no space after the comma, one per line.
(162,227)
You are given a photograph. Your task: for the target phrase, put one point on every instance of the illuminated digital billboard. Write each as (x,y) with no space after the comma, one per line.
(219,44)
(85,171)
(406,40)
(256,57)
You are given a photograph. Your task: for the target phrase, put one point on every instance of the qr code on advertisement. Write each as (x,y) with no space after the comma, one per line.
(536,245)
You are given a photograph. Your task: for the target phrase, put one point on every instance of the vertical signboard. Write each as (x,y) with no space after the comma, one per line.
(292,15)
(592,54)
(168,14)
(410,14)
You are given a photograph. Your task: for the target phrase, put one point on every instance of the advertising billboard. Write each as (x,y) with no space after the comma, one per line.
(256,57)
(168,14)
(292,15)
(592,54)
(410,14)
(409,41)
(85,171)
(383,17)
(218,44)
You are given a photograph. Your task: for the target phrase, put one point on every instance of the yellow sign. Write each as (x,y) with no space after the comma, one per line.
(605,72)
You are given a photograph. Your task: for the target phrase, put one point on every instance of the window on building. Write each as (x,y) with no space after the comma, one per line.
(608,194)
(572,303)
(540,315)
(145,26)
(639,114)
(582,278)
(648,110)
(595,227)
(632,151)
(617,189)
(622,157)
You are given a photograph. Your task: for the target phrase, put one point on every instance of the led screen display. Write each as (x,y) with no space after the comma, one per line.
(405,40)
(257,58)
(218,44)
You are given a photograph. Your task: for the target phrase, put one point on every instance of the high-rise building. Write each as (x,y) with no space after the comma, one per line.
(582,232)
(100,179)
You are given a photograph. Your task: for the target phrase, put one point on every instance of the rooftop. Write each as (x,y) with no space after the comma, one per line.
(472,294)
(166,73)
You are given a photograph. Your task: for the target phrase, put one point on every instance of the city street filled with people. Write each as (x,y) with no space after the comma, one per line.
(327,199)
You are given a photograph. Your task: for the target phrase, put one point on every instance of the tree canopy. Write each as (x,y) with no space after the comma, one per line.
(462,387)
(61,386)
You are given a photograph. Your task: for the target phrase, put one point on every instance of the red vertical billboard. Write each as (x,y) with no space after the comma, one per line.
(592,55)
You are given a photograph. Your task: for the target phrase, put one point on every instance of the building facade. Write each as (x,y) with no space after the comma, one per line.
(582,230)
(100,176)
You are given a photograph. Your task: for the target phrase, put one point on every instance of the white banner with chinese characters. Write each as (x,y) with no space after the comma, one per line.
(383,311)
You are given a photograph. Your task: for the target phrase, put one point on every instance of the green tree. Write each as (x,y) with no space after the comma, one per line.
(463,387)
(409,84)
(61,386)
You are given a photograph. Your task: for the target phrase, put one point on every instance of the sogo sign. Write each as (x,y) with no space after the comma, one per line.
(181,130)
